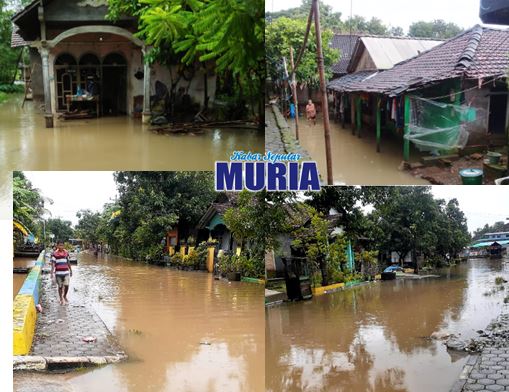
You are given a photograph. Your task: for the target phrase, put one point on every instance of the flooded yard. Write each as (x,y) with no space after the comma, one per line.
(183,331)
(355,160)
(377,337)
(107,143)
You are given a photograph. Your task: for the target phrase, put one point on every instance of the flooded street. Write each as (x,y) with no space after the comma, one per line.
(355,161)
(107,143)
(183,331)
(377,337)
(18,279)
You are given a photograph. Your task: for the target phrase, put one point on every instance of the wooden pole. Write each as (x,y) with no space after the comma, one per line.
(406,142)
(294,93)
(378,123)
(323,92)
(358,114)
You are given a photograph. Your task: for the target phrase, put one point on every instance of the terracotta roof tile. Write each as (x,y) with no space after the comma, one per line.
(346,44)
(480,52)
(16,40)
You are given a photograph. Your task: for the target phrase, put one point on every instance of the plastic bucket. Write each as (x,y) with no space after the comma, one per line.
(471,176)
(494,157)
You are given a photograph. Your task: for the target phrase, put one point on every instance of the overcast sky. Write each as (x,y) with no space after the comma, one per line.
(464,13)
(74,191)
(481,204)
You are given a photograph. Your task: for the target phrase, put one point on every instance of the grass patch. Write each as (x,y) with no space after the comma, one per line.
(499,280)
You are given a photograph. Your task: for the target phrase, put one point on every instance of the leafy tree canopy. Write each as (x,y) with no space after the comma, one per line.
(284,33)
(28,203)
(62,229)
(228,32)
(435,29)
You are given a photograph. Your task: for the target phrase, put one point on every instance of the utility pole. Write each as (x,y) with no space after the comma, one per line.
(323,92)
(294,93)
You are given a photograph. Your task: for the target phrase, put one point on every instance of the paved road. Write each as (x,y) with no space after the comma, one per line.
(60,330)
(489,370)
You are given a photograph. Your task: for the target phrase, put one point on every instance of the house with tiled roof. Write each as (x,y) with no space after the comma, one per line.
(370,55)
(467,73)
(80,59)
(345,43)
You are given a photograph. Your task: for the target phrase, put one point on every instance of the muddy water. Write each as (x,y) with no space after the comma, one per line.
(355,160)
(376,337)
(108,143)
(19,279)
(183,331)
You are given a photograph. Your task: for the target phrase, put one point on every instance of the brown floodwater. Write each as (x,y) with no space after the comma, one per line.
(19,279)
(107,143)
(183,331)
(377,337)
(355,160)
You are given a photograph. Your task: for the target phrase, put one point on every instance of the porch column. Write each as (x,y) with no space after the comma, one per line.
(145,117)
(48,113)
(352,113)
(358,114)
(406,142)
(378,123)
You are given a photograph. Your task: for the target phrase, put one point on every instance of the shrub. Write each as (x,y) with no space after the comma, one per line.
(251,267)
(177,259)
(11,88)
(499,280)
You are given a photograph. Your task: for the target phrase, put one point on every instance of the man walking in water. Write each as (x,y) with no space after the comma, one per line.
(61,271)
(311,112)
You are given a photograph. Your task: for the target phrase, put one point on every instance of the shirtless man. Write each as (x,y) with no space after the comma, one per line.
(311,112)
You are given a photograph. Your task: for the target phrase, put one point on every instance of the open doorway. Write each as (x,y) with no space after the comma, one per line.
(498,113)
(114,86)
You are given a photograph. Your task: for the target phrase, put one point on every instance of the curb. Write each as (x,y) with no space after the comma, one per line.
(24,314)
(252,280)
(38,363)
(465,372)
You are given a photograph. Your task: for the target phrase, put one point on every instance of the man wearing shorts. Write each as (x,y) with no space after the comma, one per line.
(61,271)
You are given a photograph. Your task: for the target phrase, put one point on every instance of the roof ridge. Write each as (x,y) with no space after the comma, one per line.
(402,37)
(467,57)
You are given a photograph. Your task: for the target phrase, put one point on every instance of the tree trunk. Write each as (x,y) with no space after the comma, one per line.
(415,261)
(323,270)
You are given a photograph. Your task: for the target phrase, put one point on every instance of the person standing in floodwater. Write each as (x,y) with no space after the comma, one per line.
(61,271)
(311,112)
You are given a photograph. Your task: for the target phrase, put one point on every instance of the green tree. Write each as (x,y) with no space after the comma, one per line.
(62,229)
(151,203)
(88,223)
(435,29)
(259,218)
(396,31)
(28,203)
(329,20)
(494,228)
(325,254)
(284,33)
(405,222)
(230,33)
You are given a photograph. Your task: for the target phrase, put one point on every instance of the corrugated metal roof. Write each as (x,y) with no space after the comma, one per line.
(485,244)
(386,52)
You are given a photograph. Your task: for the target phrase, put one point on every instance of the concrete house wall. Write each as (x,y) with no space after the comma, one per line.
(78,27)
